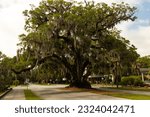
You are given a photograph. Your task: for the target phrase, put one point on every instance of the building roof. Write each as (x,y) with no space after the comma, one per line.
(144,70)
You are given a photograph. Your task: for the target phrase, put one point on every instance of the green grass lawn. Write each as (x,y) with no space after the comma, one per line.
(124,95)
(130,96)
(131,88)
(124,87)
(29,95)
(112,93)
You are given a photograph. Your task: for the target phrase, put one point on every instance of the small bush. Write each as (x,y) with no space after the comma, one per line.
(3,86)
(16,82)
(138,82)
(131,81)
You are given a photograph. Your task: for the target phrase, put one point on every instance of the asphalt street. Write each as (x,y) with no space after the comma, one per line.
(54,92)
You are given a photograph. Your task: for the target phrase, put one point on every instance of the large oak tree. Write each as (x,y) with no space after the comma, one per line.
(73,35)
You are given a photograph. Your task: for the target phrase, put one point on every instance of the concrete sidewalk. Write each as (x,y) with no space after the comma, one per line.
(53,92)
(17,93)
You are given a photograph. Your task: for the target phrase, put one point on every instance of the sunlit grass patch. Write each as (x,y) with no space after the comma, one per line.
(29,95)
(131,88)
(112,93)
(130,96)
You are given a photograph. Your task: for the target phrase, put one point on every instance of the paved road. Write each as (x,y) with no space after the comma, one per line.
(17,93)
(53,92)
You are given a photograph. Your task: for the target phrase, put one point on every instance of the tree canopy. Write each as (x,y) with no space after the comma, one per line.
(78,38)
(6,75)
(144,62)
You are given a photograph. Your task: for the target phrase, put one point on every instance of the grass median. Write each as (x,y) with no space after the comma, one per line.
(130,96)
(122,95)
(131,88)
(112,93)
(29,95)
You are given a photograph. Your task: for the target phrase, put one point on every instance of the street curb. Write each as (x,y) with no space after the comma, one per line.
(3,94)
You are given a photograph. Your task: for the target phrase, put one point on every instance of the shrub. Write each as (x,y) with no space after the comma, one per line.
(138,82)
(16,82)
(3,86)
(131,81)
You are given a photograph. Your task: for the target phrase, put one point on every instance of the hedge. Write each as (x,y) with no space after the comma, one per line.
(132,81)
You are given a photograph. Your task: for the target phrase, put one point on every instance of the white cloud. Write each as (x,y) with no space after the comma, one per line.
(12,23)
(137,32)
(7,3)
(139,37)
(144,22)
(132,2)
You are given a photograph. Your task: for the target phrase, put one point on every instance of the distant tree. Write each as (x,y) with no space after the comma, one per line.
(144,62)
(6,75)
(117,58)
(72,35)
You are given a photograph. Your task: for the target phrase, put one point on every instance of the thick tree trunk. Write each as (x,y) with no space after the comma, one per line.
(77,70)
(79,80)
(80,84)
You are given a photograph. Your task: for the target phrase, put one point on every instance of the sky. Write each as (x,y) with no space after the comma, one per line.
(12,24)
